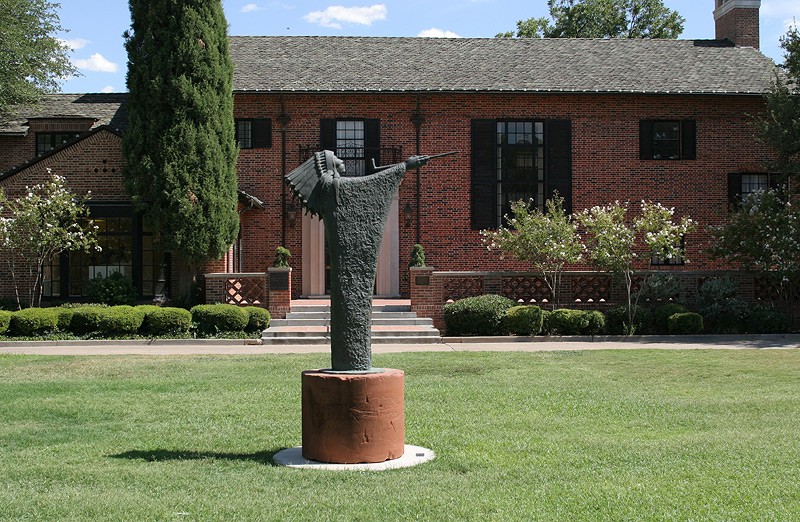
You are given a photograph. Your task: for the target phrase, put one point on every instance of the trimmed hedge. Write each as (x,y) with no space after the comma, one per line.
(166,320)
(86,319)
(34,321)
(120,320)
(566,321)
(219,318)
(523,320)
(663,313)
(481,315)
(64,318)
(258,318)
(5,321)
(686,323)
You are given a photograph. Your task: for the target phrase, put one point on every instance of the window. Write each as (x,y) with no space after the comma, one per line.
(742,184)
(667,139)
(657,260)
(253,133)
(127,247)
(355,141)
(45,142)
(520,164)
(518,159)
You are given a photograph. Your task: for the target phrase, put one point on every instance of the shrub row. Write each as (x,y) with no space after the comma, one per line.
(497,315)
(129,320)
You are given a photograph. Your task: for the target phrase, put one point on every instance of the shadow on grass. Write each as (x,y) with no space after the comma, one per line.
(163,455)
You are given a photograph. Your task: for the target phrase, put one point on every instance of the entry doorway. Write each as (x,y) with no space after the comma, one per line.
(316,274)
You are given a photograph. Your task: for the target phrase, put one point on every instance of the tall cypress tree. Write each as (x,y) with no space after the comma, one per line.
(179,144)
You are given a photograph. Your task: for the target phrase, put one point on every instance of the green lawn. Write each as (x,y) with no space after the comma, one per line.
(611,435)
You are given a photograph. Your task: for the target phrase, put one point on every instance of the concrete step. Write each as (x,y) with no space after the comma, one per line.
(326,315)
(316,308)
(411,320)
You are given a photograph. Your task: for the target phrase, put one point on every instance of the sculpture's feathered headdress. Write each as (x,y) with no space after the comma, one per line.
(306,180)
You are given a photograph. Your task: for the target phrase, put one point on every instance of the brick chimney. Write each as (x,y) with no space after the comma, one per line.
(737,20)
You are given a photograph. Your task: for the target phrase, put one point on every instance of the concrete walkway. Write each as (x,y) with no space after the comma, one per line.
(448,344)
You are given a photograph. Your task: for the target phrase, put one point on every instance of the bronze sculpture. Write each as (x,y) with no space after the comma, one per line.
(354,210)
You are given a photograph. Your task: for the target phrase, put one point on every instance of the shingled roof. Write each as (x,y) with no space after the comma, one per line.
(370,64)
(107,109)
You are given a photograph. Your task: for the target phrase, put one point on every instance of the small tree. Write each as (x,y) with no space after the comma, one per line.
(548,240)
(612,239)
(762,233)
(47,221)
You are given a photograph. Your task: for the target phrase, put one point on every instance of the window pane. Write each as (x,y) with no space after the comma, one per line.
(666,140)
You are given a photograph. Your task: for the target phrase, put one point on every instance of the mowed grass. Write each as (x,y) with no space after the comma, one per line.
(609,435)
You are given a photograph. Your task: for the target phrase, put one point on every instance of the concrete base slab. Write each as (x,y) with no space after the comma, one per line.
(412,456)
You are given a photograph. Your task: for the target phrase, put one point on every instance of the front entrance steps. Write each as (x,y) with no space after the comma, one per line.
(392,322)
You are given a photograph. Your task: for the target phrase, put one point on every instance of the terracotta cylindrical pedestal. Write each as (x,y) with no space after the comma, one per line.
(353,418)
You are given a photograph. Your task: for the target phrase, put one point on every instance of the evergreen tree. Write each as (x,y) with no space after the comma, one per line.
(179,144)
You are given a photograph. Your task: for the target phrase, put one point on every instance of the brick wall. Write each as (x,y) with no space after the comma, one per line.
(16,150)
(606,164)
(740,26)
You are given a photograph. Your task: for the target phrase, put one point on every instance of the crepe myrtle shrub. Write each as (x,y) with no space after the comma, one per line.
(546,240)
(722,311)
(213,318)
(663,313)
(480,315)
(763,234)
(34,321)
(685,323)
(166,320)
(48,220)
(258,318)
(114,289)
(613,238)
(523,320)
(5,321)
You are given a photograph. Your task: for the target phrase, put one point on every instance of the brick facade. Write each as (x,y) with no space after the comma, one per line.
(605,160)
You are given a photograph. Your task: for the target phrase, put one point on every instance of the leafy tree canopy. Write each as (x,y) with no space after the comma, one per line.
(779,127)
(602,19)
(32,60)
(179,144)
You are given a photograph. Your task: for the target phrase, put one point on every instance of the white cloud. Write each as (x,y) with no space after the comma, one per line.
(249,8)
(779,8)
(108,88)
(433,32)
(96,63)
(335,15)
(75,43)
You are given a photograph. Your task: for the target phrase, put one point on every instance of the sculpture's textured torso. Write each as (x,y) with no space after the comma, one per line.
(354,210)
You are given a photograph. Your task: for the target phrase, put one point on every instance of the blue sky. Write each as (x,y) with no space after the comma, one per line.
(96,26)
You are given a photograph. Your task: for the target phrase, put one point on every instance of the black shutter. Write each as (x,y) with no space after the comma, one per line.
(774,180)
(262,133)
(645,139)
(688,139)
(372,143)
(484,176)
(327,134)
(734,189)
(558,160)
